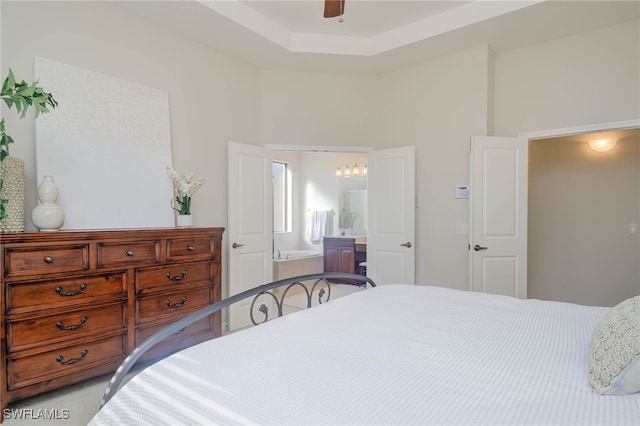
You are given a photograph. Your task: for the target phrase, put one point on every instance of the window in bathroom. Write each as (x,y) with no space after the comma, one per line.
(281,176)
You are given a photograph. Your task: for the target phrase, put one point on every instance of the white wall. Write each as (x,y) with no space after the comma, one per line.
(307,108)
(435,105)
(588,78)
(212,97)
(439,104)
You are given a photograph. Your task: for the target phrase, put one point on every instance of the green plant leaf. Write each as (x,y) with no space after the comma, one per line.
(9,83)
(3,201)
(22,95)
(7,100)
(40,108)
(5,140)
(26,90)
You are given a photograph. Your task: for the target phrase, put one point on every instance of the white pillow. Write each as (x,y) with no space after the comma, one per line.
(615,350)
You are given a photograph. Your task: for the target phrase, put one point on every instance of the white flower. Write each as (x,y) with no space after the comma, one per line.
(184,186)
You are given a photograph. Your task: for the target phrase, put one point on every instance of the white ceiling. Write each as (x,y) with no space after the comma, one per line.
(362,18)
(375,35)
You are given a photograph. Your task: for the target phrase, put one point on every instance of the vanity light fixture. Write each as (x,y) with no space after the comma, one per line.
(602,145)
(349,169)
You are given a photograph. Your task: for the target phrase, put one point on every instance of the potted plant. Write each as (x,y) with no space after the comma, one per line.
(21,95)
(184,186)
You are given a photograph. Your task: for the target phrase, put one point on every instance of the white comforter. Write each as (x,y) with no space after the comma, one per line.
(395,354)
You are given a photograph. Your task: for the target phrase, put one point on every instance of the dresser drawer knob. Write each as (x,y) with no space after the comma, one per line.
(191,248)
(61,292)
(177,305)
(176,277)
(61,326)
(72,361)
(130,253)
(48,259)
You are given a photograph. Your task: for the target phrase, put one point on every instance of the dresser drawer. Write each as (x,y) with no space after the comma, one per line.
(144,333)
(185,249)
(197,332)
(183,275)
(128,253)
(67,361)
(65,326)
(25,261)
(33,295)
(171,306)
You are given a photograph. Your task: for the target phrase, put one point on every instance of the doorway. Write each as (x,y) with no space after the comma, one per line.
(250,209)
(584,206)
(315,187)
(479,209)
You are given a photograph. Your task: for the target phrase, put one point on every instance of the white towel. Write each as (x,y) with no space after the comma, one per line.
(318,225)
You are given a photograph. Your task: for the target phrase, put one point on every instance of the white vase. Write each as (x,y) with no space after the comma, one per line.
(48,216)
(13,189)
(184,220)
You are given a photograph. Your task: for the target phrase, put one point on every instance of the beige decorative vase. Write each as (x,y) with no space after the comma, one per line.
(13,189)
(48,216)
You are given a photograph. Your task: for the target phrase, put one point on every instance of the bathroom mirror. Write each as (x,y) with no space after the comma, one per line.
(353,205)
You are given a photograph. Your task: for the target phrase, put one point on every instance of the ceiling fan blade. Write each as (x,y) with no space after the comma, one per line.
(333,8)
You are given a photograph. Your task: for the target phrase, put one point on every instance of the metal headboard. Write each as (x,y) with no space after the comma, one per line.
(320,282)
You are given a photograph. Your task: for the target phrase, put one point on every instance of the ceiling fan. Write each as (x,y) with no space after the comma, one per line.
(333,8)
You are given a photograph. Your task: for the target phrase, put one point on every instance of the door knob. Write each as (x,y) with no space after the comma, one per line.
(478,247)
(236,245)
(407,244)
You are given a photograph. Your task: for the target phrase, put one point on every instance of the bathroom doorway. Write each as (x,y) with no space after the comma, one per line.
(314,186)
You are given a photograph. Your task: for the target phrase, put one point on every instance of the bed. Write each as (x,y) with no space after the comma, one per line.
(397,354)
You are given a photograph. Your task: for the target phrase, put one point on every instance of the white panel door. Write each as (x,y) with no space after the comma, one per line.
(250,225)
(498,201)
(391,211)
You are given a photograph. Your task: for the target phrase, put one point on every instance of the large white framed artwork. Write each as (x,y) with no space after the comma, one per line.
(107,145)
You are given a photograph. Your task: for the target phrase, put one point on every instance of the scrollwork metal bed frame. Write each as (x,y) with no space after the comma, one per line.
(320,282)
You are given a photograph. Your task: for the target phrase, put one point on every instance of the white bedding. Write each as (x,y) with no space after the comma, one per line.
(395,354)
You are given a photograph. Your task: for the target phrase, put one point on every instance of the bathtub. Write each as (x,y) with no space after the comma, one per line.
(291,263)
(284,255)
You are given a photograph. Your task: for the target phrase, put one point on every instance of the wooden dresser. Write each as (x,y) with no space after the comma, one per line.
(76,303)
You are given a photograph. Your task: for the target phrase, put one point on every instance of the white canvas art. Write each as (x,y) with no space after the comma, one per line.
(107,145)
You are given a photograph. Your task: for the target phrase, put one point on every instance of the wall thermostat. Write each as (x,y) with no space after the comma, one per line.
(462,192)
